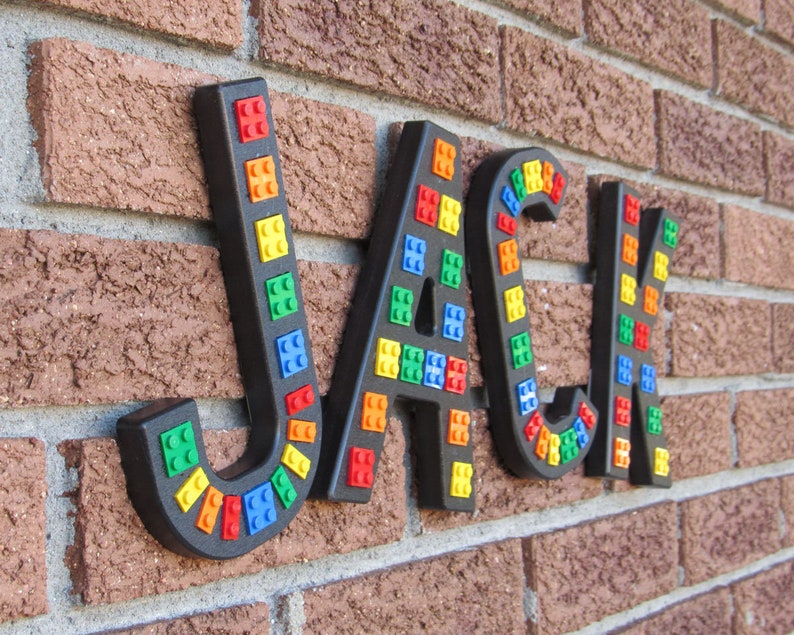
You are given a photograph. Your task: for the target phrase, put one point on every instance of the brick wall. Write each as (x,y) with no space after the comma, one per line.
(112,295)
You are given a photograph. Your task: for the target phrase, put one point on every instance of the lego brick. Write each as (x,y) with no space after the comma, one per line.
(360,468)
(449,215)
(262,182)
(292,356)
(387,362)
(283,486)
(301,431)
(210,507)
(642,334)
(281,296)
(179,449)
(629,252)
(454,325)
(251,118)
(586,415)
(230,517)
(444,159)
(400,307)
(435,365)
(414,255)
(299,399)
(271,238)
(295,460)
(625,330)
(412,364)
(506,224)
(451,269)
(373,414)
(427,201)
(654,420)
(455,380)
(260,508)
(528,442)
(461,480)
(458,427)
(191,489)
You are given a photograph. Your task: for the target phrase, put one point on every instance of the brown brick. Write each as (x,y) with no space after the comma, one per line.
(779,19)
(698,429)
(753,75)
(114,558)
(746,10)
(431,51)
(708,613)
(236,620)
(215,23)
(783,337)
(23,569)
(467,592)
(702,145)
(329,178)
(778,159)
(698,250)
(763,426)
(565,14)
(787,506)
(500,494)
(584,573)
(763,603)
(727,530)
(757,248)
(674,36)
(572,100)
(714,336)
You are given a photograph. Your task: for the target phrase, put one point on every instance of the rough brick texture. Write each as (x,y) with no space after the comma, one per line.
(468,592)
(673,36)
(23,570)
(573,100)
(787,505)
(753,75)
(237,620)
(93,151)
(757,248)
(698,250)
(746,10)
(698,430)
(702,145)
(215,23)
(114,558)
(574,591)
(779,19)
(703,615)
(500,494)
(715,336)
(763,426)
(778,159)
(564,14)
(431,51)
(727,530)
(783,337)
(763,603)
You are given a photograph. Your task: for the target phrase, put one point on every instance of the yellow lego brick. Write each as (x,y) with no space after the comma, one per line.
(628,289)
(660,262)
(191,489)
(515,308)
(271,238)
(387,358)
(554,449)
(449,215)
(461,479)
(533,176)
(661,462)
(295,460)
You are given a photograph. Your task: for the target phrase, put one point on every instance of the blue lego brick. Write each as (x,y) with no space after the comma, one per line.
(527,396)
(435,364)
(454,318)
(414,255)
(292,356)
(648,378)
(625,366)
(510,201)
(260,507)
(582,438)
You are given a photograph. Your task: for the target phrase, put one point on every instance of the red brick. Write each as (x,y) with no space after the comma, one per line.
(564,14)
(787,505)
(467,592)
(753,75)
(161,171)
(431,51)
(698,430)
(499,494)
(783,337)
(673,36)
(730,529)
(584,573)
(778,159)
(757,248)
(216,23)
(779,19)
(762,604)
(698,250)
(114,558)
(573,99)
(746,10)
(702,145)
(23,568)
(708,613)
(236,620)
(713,336)
(763,426)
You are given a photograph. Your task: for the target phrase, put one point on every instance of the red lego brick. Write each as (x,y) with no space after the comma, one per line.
(456,375)
(299,399)
(360,467)
(622,411)
(507,224)
(558,188)
(642,333)
(427,200)
(533,425)
(631,213)
(251,119)
(230,517)
(587,415)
